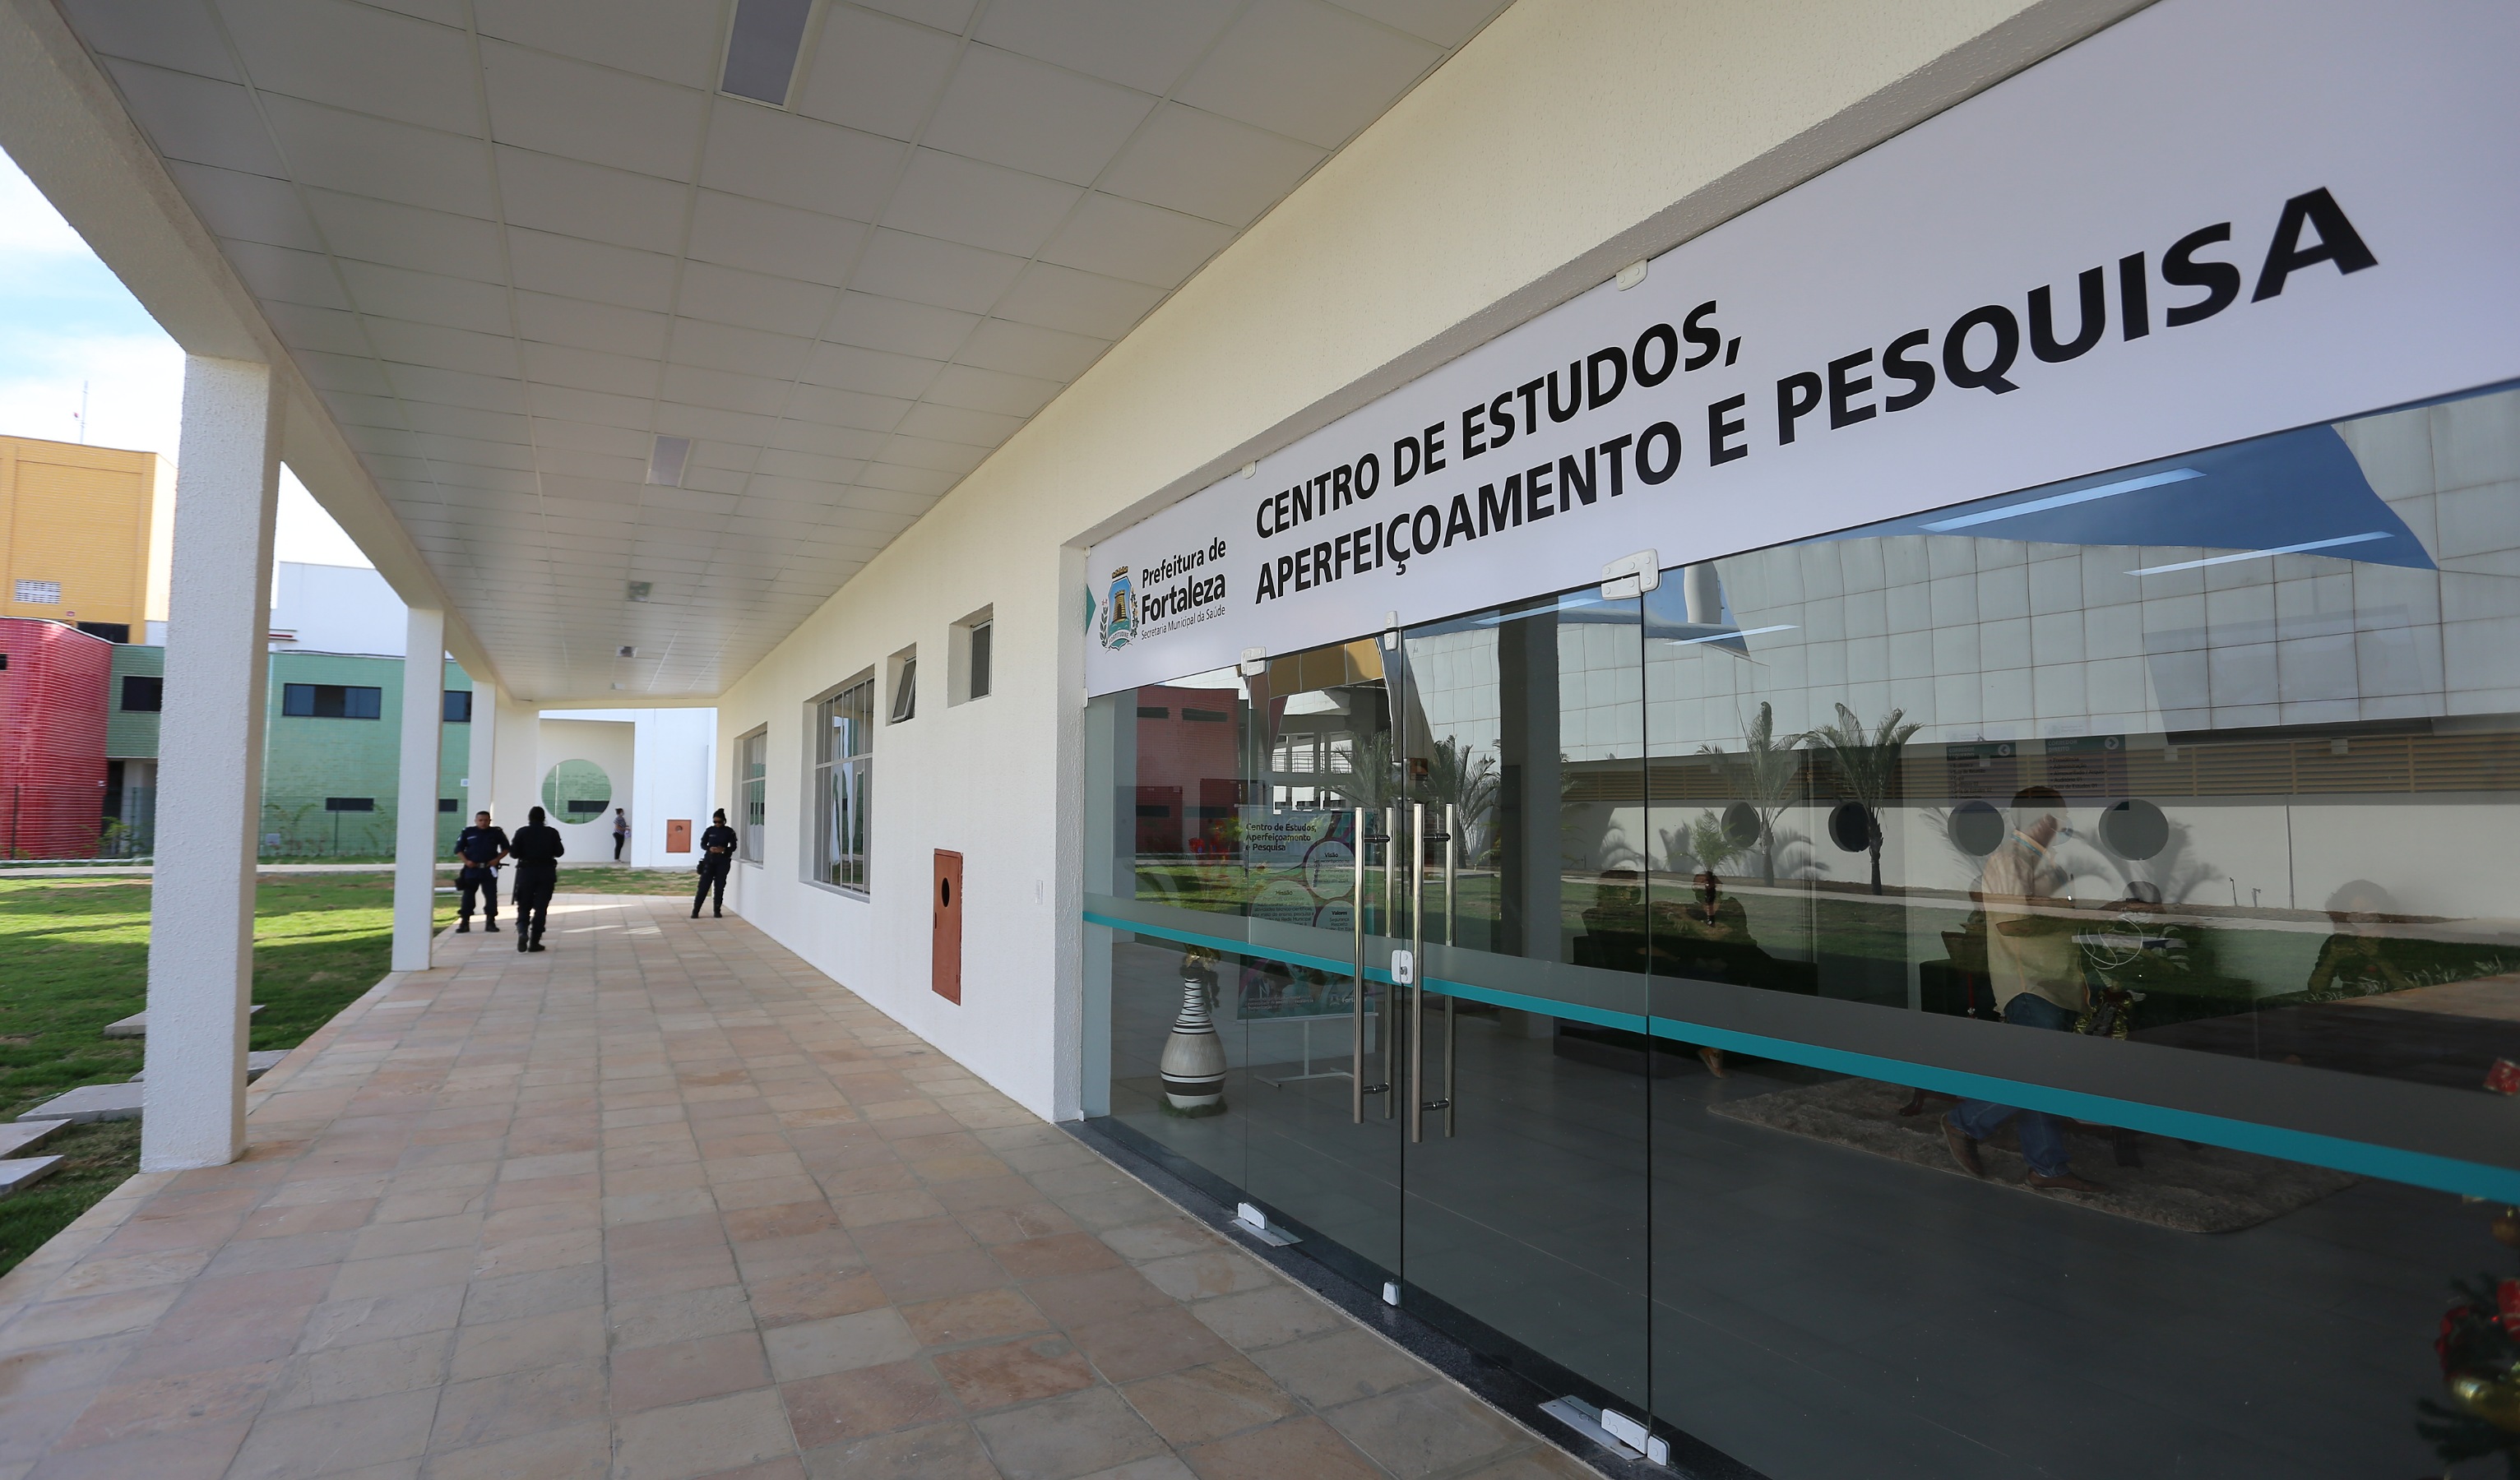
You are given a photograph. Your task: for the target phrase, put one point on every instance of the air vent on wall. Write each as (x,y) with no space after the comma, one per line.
(761,50)
(626,651)
(639,591)
(666,459)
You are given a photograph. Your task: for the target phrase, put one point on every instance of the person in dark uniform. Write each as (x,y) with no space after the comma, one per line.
(537,850)
(620,832)
(717,856)
(479,850)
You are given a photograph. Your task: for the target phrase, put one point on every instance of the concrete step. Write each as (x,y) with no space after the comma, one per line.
(256,1064)
(17,1174)
(137,1025)
(90,1102)
(18,1137)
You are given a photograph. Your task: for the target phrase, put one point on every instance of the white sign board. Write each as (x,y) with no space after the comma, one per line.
(2217,219)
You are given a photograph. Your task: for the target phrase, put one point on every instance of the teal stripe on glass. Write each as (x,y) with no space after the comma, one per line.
(2363,1158)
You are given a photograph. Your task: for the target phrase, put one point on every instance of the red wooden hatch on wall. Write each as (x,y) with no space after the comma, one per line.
(945,901)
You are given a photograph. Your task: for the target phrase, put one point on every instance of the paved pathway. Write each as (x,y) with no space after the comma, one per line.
(664,1202)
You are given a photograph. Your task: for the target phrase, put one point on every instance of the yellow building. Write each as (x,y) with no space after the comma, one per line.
(85,534)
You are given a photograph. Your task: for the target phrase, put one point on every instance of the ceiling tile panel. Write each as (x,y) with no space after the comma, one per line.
(248,207)
(336,371)
(353,410)
(1080,303)
(596,408)
(900,325)
(563,366)
(1446,22)
(981,430)
(368,156)
(754,301)
(399,340)
(846,367)
(751,351)
(1145,44)
(734,231)
(397,293)
(567,198)
(951,16)
(285,275)
(957,457)
(977,389)
(1028,349)
(985,205)
(1306,69)
(739,435)
(325,328)
(671,40)
(873,72)
(576,268)
(358,57)
(452,387)
(197,120)
(464,421)
(171,34)
(924,270)
(1029,115)
(1128,239)
(828,408)
(776,463)
(1206,166)
(812,165)
(403,236)
(552,320)
(556,106)
(721,391)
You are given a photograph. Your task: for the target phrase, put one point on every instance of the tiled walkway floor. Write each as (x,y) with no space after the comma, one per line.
(662,1202)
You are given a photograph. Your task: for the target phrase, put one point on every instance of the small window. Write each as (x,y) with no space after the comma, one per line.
(112,632)
(446,804)
(980,658)
(41,593)
(331,702)
(1154,711)
(843,785)
(458,706)
(754,784)
(143,694)
(905,691)
(349,804)
(1206,716)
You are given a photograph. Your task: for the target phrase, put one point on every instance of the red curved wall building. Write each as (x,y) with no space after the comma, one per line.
(52,738)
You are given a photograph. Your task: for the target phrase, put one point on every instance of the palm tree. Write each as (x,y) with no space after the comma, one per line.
(1866,766)
(1765,775)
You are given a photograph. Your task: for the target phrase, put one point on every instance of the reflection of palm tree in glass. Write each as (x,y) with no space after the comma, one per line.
(1373,778)
(1765,775)
(1464,777)
(1867,767)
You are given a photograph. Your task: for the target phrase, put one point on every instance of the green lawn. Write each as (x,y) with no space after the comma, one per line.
(74,956)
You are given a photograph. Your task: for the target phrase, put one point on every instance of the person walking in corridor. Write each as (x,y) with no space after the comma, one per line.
(537,850)
(620,832)
(717,856)
(479,850)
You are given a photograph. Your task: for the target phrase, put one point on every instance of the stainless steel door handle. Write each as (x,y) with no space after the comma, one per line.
(1418,988)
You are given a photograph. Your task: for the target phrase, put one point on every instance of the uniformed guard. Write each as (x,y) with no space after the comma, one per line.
(717,856)
(479,851)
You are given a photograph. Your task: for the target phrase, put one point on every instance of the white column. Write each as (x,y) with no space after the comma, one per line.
(209,786)
(520,774)
(424,710)
(482,765)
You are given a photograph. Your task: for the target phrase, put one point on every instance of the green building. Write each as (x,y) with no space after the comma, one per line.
(331,743)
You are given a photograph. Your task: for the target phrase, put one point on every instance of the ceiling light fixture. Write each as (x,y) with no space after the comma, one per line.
(666,461)
(639,591)
(626,651)
(761,50)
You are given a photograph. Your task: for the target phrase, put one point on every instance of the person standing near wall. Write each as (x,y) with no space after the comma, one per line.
(479,851)
(537,850)
(717,856)
(620,832)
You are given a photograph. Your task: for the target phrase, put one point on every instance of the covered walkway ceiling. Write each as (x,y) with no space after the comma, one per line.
(519,247)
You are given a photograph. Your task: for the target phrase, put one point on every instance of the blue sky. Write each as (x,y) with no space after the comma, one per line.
(66,321)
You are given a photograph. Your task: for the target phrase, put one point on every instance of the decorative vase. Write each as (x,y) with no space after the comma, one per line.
(1193,1062)
(2496,1399)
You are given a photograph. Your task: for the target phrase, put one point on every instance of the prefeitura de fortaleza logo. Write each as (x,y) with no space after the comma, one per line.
(1119,611)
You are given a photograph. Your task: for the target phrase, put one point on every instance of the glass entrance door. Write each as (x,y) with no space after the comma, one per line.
(1524,1072)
